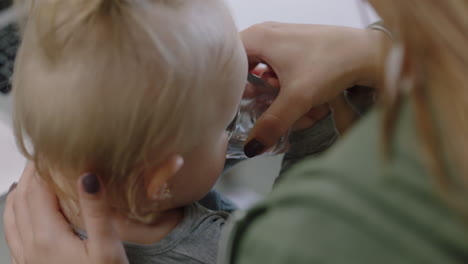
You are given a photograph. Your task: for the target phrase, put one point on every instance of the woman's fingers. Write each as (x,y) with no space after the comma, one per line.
(257,40)
(34,224)
(49,225)
(278,119)
(271,78)
(12,234)
(104,245)
(20,207)
(312,67)
(281,115)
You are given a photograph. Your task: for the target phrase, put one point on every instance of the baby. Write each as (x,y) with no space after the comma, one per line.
(140,92)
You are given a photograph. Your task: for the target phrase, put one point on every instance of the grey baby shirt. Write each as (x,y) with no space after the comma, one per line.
(195,240)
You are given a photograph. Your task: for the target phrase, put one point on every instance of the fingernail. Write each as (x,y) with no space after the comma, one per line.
(12,187)
(91,183)
(253,148)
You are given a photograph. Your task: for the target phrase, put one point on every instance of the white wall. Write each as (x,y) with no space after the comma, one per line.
(11,162)
(331,12)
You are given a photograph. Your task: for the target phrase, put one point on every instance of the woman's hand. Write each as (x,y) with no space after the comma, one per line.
(37,232)
(314,64)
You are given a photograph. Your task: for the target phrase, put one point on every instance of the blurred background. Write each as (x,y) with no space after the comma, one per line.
(251,179)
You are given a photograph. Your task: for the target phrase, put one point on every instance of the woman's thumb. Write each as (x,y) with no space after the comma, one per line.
(275,123)
(104,244)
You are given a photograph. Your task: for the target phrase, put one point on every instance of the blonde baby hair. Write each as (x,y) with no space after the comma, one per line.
(116,86)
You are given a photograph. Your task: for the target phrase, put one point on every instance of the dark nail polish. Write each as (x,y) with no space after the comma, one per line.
(12,187)
(91,183)
(253,148)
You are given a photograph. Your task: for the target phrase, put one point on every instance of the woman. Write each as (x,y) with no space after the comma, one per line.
(392,191)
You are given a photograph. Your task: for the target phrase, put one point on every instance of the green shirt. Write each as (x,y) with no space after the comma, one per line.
(351,205)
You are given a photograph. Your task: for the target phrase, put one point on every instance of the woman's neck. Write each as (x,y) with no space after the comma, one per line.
(133,231)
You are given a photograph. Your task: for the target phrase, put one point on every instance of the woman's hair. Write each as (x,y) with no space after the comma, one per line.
(434,37)
(116,86)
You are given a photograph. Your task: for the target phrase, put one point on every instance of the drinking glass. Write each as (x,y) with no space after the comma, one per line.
(258,97)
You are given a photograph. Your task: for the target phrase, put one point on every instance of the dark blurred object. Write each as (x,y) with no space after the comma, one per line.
(5,3)
(9,41)
(361,98)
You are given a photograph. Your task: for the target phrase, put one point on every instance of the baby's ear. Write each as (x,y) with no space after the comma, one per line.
(157,187)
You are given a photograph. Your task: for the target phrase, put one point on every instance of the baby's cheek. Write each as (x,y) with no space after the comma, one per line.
(225,141)
(218,157)
(220,153)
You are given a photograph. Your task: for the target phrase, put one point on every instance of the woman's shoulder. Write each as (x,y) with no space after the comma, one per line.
(359,161)
(354,206)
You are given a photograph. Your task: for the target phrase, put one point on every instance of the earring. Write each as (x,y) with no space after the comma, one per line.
(163,193)
(406,85)
(395,81)
(394,69)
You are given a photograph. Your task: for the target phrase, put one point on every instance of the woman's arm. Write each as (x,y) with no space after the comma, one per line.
(314,64)
(310,142)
